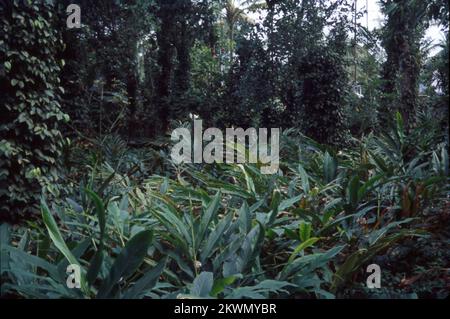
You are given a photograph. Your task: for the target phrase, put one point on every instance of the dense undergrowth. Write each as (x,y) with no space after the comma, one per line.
(140,226)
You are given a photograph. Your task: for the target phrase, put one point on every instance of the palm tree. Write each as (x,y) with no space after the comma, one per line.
(235,12)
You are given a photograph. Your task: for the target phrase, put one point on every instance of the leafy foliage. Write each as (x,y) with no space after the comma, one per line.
(31,112)
(364,172)
(227,231)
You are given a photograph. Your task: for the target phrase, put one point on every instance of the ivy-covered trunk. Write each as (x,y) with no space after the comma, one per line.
(409,81)
(29,106)
(401,40)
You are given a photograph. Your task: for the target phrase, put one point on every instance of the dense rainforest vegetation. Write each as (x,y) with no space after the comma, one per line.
(86,177)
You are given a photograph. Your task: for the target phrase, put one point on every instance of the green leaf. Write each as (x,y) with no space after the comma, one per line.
(203,284)
(101,215)
(147,282)
(55,234)
(214,238)
(274,206)
(380,163)
(245,219)
(288,203)
(256,249)
(350,265)
(249,180)
(221,284)
(174,226)
(352,191)
(305,231)
(31,260)
(276,199)
(210,213)
(400,127)
(107,181)
(308,243)
(363,190)
(97,261)
(261,290)
(59,242)
(305,179)
(129,259)
(329,168)
(95,267)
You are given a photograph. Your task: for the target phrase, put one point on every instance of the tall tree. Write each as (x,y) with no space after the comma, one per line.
(401,37)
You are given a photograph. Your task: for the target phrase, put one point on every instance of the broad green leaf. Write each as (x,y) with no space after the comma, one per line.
(55,234)
(214,238)
(147,282)
(203,284)
(59,242)
(129,259)
(288,203)
(95,267)
(221,284)
(245,219)
(308,243)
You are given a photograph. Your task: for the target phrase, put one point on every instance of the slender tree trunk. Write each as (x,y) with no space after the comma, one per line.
(165,62)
